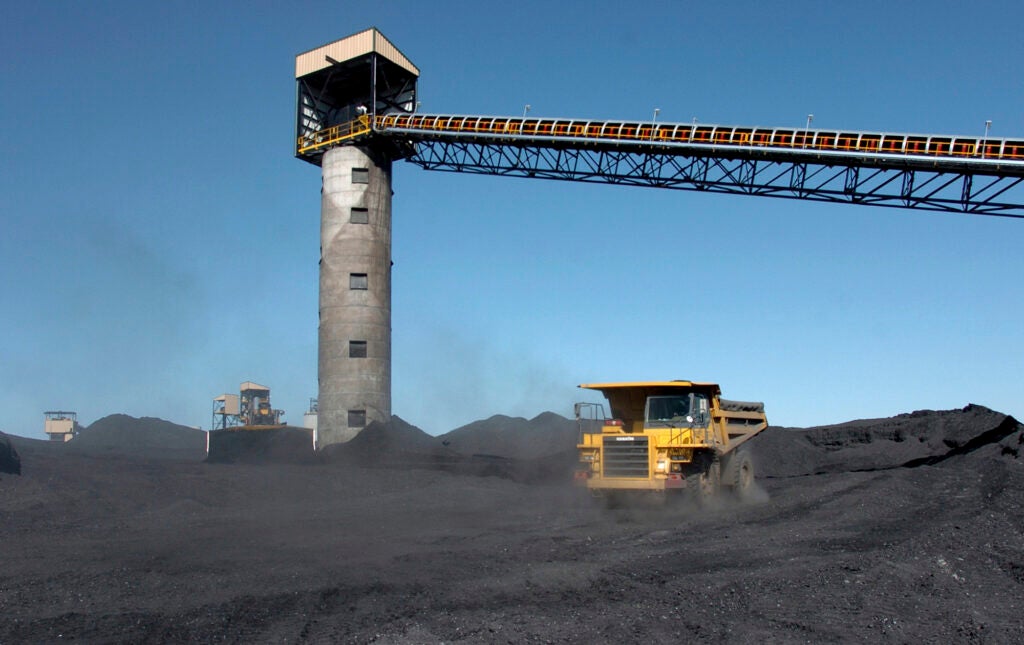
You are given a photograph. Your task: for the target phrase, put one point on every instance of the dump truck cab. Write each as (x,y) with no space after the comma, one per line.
(669,436)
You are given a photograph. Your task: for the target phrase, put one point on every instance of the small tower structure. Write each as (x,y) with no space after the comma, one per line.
(61,425)
(225,412)
(341,86)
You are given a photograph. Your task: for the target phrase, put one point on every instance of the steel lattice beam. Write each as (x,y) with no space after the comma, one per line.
(915,188)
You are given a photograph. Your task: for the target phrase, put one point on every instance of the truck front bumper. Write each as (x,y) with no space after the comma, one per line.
(671,481)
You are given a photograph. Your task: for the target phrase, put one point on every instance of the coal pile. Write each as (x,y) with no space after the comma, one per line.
(904,529)
(1012,445)
(538,450)
(912,439)
(516,438)
(10,461)
(287,445)
(395,443)
(398,445)
(144,438)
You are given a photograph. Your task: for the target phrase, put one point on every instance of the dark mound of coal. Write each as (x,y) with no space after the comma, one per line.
(148,438)
(399,445)
(1012,445)
(395,443)
(288,445)
(915,438)
(542,436)
(10,461)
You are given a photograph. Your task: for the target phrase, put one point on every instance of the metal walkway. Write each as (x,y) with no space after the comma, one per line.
(983,176)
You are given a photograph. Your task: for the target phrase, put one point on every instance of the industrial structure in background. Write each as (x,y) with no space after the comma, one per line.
(250,409)
(354,78)
(356,113)
(61,425)
(309,419)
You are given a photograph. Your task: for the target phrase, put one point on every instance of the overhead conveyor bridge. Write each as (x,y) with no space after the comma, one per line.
(978,175)
(356,113)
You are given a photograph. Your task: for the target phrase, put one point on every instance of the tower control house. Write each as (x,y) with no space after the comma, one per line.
(363,75)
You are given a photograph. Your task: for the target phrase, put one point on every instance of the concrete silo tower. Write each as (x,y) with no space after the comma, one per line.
(341,88)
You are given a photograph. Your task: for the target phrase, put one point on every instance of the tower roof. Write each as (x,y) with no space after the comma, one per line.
(365,42)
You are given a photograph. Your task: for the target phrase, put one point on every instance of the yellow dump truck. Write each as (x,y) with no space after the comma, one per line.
(667,436)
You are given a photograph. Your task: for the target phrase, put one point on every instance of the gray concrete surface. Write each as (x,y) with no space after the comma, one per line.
(349,314)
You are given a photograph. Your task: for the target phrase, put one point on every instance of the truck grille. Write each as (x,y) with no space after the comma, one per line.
(626,456)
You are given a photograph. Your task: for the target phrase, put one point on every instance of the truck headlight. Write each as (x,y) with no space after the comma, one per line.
(660,466)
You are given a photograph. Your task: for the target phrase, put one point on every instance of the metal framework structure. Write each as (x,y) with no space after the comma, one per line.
(833,182)
(982,176)
(372,78)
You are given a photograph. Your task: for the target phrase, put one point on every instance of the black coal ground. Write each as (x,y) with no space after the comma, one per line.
(892,530)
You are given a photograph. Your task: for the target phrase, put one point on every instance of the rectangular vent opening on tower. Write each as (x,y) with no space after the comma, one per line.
(359,216)
(356,418)
(360,175)
(358,281)
(357,349)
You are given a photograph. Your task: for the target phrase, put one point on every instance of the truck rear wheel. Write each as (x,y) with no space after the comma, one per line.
(741,474)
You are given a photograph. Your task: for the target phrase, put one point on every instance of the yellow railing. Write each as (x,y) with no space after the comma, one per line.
(715,135)
(333,135)
(674,133)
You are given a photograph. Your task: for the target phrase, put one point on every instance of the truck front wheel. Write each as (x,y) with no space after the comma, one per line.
(704,481)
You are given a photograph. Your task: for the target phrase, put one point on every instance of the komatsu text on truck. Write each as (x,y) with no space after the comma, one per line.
(668,436)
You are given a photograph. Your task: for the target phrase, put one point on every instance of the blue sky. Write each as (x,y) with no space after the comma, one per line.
(160,242)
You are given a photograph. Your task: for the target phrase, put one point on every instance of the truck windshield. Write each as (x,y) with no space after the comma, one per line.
(668,411)
(690,410)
